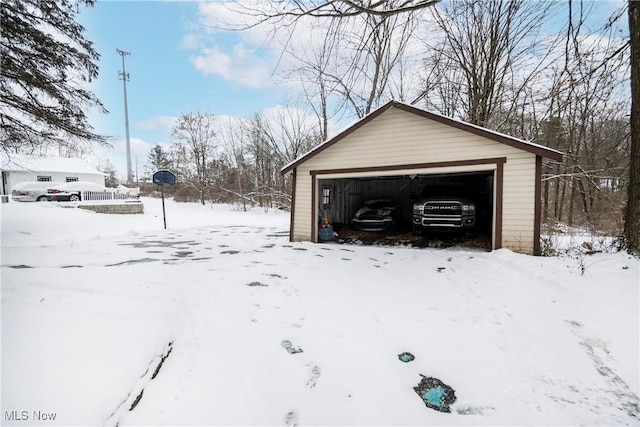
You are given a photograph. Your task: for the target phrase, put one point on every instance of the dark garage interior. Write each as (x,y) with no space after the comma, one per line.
(341,198)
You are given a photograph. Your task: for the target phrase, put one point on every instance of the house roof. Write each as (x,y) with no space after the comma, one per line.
(25,163)
(537,149)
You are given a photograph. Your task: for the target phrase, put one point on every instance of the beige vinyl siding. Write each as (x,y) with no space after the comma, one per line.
(302,216)
(518,202)
(398,137)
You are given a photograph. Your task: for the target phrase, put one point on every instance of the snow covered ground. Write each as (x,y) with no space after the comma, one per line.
(187,326)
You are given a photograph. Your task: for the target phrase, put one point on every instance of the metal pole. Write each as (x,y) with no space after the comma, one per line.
(164,216)
(125,77)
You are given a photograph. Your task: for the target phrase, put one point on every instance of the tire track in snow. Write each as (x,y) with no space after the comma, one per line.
(599,354)
(136,393)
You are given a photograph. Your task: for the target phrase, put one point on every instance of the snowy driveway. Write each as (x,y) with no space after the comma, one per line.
(101,314)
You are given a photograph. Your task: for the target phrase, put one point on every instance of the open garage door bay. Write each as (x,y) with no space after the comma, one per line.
(341,199)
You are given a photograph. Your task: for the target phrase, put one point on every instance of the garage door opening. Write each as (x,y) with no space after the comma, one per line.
(383,210)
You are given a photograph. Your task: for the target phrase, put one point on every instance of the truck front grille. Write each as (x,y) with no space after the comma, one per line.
(443,208)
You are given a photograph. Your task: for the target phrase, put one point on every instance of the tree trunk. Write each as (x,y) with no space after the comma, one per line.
(632,217)
(240,190)
(572,197)
(585,198)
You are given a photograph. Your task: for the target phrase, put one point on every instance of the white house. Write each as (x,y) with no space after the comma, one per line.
(21,168)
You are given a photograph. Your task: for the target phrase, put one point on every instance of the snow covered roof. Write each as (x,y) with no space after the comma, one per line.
(532,147)
(26,163)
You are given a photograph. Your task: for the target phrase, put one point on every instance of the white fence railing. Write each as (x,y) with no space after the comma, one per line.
(126,194)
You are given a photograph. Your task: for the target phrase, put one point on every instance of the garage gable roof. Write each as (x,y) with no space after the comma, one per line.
(537,149)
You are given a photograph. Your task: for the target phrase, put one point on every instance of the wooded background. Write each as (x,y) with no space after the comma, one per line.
(497,64)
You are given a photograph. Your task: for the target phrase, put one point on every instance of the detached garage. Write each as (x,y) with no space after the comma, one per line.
(401,152)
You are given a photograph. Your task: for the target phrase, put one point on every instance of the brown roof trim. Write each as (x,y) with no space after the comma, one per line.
(538,150)
(455,163)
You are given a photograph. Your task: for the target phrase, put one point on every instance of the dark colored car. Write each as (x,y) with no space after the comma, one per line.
(377,215)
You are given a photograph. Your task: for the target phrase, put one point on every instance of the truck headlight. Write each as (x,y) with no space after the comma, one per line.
(417,209)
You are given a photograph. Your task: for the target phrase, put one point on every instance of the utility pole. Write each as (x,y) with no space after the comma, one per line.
(125,77)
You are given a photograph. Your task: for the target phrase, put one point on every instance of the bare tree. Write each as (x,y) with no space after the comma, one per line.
(632,217)
(278,11)
(355,66)
(314,69)
(482,64)
(278,137)
(371,61)
(567,90)
(195,135)
(585,117)
(234,137)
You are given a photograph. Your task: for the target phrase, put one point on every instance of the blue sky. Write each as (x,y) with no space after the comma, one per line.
(163,79)
(177,65)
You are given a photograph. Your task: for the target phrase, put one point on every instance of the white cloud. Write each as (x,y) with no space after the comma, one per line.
(260,55)
(162,123)
(241,57)
(190,42)
(240,66)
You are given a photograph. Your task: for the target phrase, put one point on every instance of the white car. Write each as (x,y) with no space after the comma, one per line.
(72,191)
(32,191)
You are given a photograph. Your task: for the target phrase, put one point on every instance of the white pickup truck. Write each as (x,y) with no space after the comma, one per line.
(444,213)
